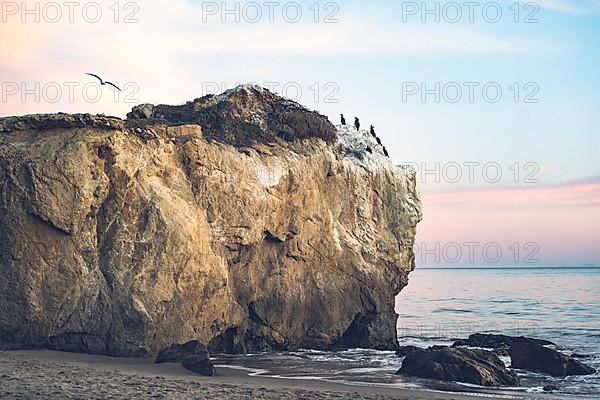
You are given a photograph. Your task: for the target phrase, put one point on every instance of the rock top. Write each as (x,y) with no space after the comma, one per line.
(241,117)
(42,122)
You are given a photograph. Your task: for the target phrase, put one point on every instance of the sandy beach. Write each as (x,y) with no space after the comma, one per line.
(58,375)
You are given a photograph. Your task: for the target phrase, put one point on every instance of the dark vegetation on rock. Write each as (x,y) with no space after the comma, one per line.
(240,117)
(58,121)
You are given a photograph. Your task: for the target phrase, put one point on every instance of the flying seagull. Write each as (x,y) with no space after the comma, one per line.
(104,82)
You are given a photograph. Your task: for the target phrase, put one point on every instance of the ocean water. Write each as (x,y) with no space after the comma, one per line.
(440,305)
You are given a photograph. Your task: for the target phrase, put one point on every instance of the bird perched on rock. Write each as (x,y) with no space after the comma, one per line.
(373,131)
(357,123)
(385,152)
(369,149)
(378,140)
(343,119)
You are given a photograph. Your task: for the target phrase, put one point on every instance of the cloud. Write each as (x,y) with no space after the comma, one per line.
(580,7)
(165,49)
(582,193)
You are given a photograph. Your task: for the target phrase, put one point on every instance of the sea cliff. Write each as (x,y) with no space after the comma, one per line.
(243,220)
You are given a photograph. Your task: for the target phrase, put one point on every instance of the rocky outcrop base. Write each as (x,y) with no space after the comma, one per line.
(193,355)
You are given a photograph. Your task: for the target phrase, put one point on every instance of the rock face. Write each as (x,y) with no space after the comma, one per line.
(193,355)
(476,366)
(525,354)
(264,227)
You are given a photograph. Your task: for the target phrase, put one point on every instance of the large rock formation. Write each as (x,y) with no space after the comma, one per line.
(256,225)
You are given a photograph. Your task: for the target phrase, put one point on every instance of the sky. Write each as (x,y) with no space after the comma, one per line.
(495,105)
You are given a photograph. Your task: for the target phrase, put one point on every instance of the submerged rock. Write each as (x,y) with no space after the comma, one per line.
(550,388)
(193,355)
(578,355)
(123,240)
(476,366)
(529,355)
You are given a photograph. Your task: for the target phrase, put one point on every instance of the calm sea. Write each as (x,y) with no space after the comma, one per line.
(443,304)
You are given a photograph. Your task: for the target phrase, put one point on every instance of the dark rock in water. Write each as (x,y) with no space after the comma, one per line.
(476,366)
(406,350)
(492,341)
(550,388)
(577,355)
(526,354)
(193,355)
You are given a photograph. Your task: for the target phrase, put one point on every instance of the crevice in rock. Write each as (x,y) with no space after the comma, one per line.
(49,223)
(270,238)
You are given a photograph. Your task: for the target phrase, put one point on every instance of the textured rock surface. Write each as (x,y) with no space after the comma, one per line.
(240,117)
(526,354)
(193,355)
(476,366)
(492,341)
(177,352)
(123,241)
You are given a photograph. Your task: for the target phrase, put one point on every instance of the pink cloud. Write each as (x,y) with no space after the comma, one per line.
(583,193)
(561,220)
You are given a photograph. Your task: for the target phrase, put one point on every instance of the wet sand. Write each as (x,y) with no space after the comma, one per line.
(44,374)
